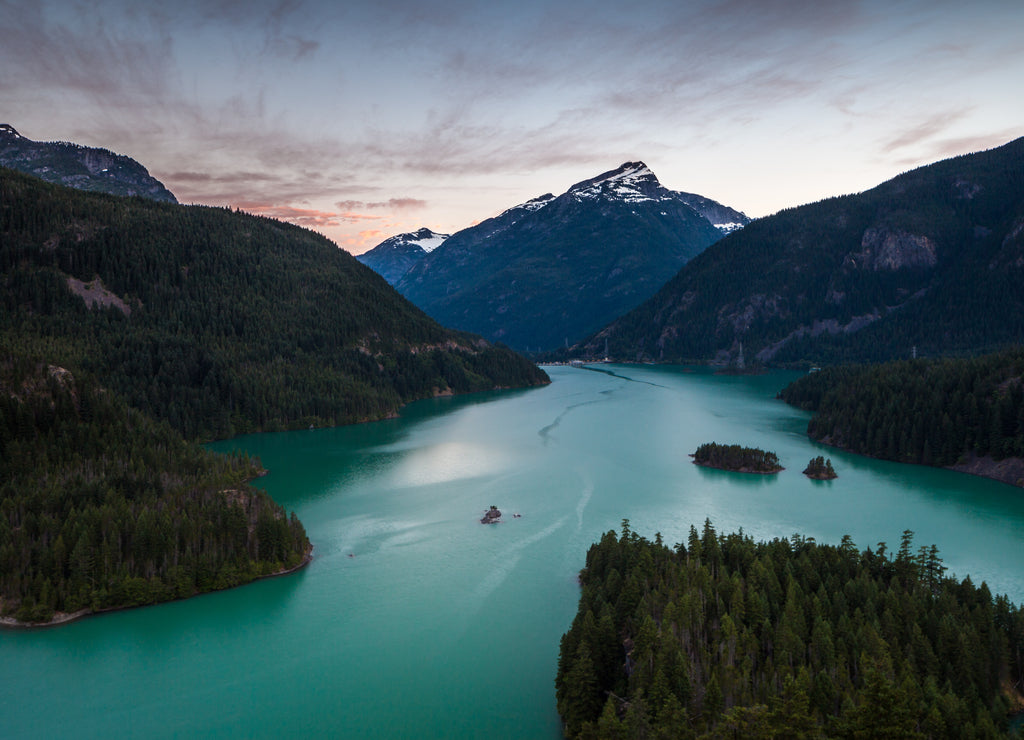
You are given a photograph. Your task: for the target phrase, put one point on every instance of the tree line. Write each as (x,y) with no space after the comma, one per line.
(103,507)
(930,412)
(722,636)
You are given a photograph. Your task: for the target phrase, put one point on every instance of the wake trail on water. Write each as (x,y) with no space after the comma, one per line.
(545,432)
(508,559)
(581,505)
(623,377)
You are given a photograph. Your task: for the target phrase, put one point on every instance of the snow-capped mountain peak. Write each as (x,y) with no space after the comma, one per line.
(428,240)
(425,239)
(633,182)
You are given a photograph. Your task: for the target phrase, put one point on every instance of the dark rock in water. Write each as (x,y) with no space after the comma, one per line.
(491,516)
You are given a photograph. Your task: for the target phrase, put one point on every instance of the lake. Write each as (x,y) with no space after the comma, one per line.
(415,620)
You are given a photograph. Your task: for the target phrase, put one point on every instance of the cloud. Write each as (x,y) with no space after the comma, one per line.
(308,217)
(951,147)
(78,52)
(924,130)
(361,241)
(399,204)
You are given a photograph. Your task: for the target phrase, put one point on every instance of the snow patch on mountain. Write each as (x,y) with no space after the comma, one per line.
(633,182)
(425,239)
(530,206)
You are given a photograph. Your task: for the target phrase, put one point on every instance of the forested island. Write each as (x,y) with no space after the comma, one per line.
(736,458)
(820,469)
(963,413)
(131,331)
(723,636)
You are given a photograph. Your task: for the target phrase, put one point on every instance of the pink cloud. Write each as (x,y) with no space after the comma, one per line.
(395,203)
(308,217)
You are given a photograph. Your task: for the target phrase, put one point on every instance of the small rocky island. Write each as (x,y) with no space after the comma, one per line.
(736,458)
(820,469)
(491,516)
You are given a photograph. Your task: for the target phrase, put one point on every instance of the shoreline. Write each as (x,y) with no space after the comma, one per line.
(738,470)
(1009,470)
(62,618)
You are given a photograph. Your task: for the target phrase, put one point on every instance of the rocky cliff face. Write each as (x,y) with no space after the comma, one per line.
(83,168)
(892,249)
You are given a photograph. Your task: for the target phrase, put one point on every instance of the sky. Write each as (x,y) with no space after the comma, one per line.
(362,120)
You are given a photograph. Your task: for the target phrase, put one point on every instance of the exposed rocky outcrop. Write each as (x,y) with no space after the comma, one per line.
(79,167)
(892,249)
(1009,470)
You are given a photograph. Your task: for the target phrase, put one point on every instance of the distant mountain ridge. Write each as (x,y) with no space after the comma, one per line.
(80,167)
(552,269)
(393,257)
(928,263)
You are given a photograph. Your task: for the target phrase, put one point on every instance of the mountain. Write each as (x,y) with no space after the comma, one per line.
(130,330)
(929,263)
(81,167)
(219,322)
(555,268)
(393,257)
(724,218)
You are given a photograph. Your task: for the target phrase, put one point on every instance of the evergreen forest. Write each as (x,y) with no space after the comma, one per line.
(229,323)
(132,330)
(725,637)
(103,507)
(820,469)
(931,412)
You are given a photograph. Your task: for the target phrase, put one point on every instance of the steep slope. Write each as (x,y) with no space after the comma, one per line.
(556,268)
(930,262)
(219,322)
(724,218)
(393,257)
(84,168)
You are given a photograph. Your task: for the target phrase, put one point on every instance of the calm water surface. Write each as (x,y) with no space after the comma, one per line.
(416,621)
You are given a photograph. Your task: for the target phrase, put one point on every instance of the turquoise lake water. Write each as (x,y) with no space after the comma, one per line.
(416,621)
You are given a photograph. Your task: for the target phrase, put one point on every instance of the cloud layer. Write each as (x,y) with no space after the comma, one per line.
(404,114)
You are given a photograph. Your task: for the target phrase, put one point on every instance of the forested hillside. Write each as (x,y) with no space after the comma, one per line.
(219,322)
(932,412)
(103,507)
(932,259)
(130,330)
(724,637)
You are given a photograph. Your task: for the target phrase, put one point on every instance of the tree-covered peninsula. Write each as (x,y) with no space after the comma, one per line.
(736,458)
(724,637)
(132,330)
(102,507)
(963,413)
